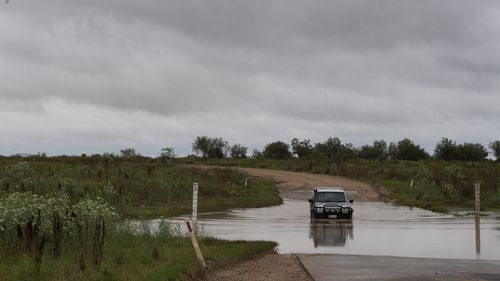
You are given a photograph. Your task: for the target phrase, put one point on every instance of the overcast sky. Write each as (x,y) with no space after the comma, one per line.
(97,76)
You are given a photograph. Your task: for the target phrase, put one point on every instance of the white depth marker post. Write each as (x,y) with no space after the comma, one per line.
(194,216)
(477,188)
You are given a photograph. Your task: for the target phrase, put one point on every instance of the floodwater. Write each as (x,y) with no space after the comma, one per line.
(376,229)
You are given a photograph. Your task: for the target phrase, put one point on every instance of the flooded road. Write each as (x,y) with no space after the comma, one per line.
(376,229)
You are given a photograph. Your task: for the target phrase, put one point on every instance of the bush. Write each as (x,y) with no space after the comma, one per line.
(495,147)
(302,149)
(407,150)
(333,149)
(238,151)
(210,147)
(446,149)
(471,152)
(277,150)
(377,151)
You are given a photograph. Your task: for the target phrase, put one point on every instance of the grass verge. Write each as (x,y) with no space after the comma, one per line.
(259,193)
(137,257)
(425,196)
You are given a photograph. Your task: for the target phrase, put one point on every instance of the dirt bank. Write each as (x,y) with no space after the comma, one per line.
(299,185)
(269,267)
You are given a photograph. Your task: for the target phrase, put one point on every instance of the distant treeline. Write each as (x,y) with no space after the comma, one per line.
(331,149)
(334,149)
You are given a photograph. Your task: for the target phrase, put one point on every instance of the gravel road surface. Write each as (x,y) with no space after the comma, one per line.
(269,267)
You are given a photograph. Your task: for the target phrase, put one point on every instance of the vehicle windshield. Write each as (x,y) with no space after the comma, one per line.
(330,197)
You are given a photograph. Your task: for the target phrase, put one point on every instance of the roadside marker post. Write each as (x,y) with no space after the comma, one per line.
(196,246)
(477,189)
(194,216)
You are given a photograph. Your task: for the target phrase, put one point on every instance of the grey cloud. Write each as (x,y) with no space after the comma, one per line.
(358,69)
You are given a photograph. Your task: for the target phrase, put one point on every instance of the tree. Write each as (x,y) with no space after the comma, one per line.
(334,149)
(347,151)
(302,149)
(167,154)
(471,152)
(446,149)
(328,149)
(238,151)
(218,148)
(407,150)
(129,153)
(495,147)
(201,145)
(256,154)
(277,150)
(210,147)
(391,151)
(377,151)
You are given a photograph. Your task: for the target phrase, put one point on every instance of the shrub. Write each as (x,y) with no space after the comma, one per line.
(446,149)
(238,151)
(471,152)
(377,151)
(407,150)
(495,147)
(302,149)
(277,150)
(210,147)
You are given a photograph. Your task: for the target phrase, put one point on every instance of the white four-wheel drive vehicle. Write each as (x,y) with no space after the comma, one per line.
(330,203)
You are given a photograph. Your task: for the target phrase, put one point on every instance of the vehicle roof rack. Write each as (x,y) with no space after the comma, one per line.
(329,187)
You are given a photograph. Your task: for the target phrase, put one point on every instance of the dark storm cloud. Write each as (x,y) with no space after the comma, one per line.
(278,69)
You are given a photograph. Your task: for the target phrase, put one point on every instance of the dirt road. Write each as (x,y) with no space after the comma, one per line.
(269,267)
(299,185)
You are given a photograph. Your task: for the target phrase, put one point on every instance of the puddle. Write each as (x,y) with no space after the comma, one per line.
(376,229)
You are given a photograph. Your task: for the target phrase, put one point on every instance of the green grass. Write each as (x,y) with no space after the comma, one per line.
(259,193)
(139,190)
(136,190)
(439,185)
(130,257)
(426,196)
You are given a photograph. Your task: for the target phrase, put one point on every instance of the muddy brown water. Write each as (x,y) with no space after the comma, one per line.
(377,228)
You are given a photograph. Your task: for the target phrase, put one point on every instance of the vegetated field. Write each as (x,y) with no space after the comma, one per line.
(62,218)
(437,185)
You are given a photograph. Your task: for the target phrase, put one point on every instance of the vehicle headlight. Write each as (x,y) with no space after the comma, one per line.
(319,210)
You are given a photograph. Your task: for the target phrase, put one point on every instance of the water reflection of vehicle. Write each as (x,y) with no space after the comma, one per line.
(331,233)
